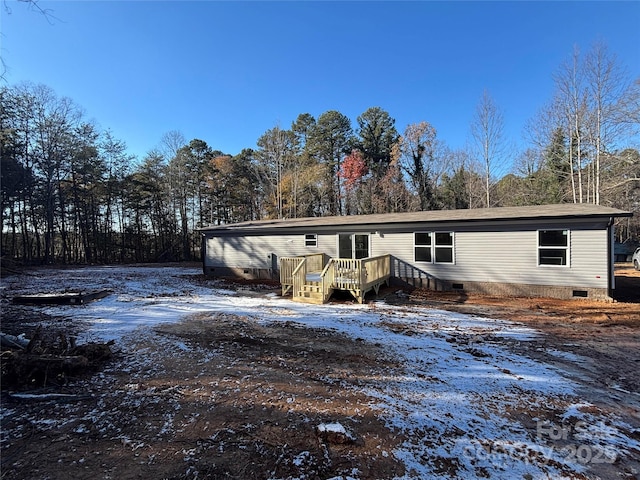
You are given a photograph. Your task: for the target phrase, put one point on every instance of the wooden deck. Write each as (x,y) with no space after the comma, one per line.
(314,278)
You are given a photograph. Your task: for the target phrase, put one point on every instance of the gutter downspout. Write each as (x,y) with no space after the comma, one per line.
(203,252)
(611,283)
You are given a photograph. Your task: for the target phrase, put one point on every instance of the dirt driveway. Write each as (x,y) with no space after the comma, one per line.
(218,395)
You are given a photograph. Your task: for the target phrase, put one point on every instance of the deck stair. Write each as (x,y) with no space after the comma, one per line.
(310,292)
(314,278)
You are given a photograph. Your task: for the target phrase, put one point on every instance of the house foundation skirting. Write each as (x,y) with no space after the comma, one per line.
(246,273)
(506,289)
(436,284)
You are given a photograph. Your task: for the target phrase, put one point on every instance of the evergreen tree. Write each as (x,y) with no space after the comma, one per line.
(377,136)
(453,190)
(558,168)
(329,140)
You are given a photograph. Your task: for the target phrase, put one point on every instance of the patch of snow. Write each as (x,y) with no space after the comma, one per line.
(450,399)
(572,357)
(332,427)
(301,458)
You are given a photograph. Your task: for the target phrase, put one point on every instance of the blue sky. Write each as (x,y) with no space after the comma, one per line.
(226,72)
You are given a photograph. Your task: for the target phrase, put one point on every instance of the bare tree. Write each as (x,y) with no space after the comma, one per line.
(276,148)
(487,131)
(171,142)
(599,110)
(606,85)
(33,5)
(629,107)
(420,157)
(571,101)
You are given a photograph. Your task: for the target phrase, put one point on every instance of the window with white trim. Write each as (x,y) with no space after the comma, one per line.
(553,247)
(422,247)
(433,247)
(443,247)
(311,240)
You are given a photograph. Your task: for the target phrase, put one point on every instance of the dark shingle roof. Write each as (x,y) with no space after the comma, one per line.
(464,215)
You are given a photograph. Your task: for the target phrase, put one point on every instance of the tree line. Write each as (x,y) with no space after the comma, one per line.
(72,194)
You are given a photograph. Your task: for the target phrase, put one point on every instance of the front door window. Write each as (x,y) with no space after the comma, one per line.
(353,245)
(361,246)
(344,246)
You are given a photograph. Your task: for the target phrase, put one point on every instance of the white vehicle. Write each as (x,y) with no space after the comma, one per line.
(636,259)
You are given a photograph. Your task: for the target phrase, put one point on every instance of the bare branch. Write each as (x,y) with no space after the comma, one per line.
(34,5)
(619,184)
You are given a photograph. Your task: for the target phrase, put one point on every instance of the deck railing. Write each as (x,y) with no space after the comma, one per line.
(357,276)
(348,273)
(328,277)
(287,267)
(299,276)
(316,261)
(375,269)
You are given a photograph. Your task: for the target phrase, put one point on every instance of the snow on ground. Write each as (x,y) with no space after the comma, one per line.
(454,399)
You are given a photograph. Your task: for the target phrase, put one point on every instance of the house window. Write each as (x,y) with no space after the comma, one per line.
(311,240)
(433,247)
(553,247)
(422,247)
(444,247)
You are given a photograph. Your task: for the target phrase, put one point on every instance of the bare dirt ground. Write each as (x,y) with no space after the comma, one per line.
(234,399)
(606,333)
(249,401)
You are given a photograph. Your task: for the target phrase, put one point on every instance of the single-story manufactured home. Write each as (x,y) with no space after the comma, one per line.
(562,251)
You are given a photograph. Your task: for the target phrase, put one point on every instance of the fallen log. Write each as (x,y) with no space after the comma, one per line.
(47,361)
(67,298)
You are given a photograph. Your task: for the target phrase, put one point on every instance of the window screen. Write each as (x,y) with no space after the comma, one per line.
(553,247)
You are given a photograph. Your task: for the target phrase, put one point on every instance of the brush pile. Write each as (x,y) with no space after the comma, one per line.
(48,360)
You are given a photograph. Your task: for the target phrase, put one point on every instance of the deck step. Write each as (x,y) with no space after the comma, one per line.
(309,297)
(311,292)
(311,288)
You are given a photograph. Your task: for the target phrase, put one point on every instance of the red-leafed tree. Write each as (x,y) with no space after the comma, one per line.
(353,168)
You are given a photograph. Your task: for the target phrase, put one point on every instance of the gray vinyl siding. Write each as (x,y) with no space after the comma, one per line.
(508,257)
(256,251)
(589,258)
(400,245)
(512,257)
(501,255)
